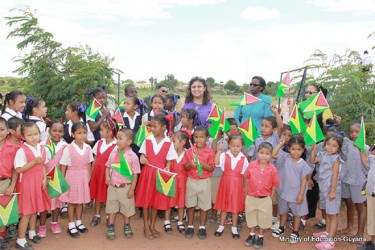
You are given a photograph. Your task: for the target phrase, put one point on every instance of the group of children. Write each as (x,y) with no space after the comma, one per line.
(270,178)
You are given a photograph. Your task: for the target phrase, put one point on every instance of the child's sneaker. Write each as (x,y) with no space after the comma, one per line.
(321,235)
(319,226)
(276,224)
(294,238)
(258,243)
(64,211)
(325,245)
(250,240)
(42,231)
(55,228)
(12,232)
(128,231)
(111,232)
(95,221)
(278,232)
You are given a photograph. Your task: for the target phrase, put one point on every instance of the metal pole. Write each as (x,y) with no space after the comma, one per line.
(118,88)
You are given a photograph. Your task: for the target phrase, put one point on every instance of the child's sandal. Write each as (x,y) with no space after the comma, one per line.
(82,229)
(168,228)
(181,228)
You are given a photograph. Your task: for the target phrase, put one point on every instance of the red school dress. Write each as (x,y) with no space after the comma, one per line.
(177,166)
(230,195)
(98,186)
(55,202)
(33,198)
(146,193)
(77,176)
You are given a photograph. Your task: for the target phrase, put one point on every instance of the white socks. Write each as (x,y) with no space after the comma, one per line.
(72,227)
(31,234)
(21,242)
(202,227)
(234,230)
(220,229)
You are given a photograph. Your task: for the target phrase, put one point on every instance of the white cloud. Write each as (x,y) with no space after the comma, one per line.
(363,6)
(260,13)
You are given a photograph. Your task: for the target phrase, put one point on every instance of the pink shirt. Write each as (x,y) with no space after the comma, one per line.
(116,178)
(261,181)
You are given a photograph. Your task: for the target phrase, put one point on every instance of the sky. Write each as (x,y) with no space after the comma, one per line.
(223,39)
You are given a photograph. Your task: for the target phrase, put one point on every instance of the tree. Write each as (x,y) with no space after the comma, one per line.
(271,88)
(58,74)
(169,81)
(351,93)
(210,81)
(127,81)
(232,86)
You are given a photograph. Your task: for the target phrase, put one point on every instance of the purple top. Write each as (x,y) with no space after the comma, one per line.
(203,110)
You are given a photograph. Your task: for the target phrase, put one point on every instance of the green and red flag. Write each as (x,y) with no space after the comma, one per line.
(360,142)
(315,104)
(123,167)
(199,165)
(215,114)
(224,124)
(8,210)
(121,104)
(93,109)
(296,122)
(246,99)
(141,135)
(313,133)
(166,183)
(283,86)
(57,183)
(117,116)
(249,132)
(50,146)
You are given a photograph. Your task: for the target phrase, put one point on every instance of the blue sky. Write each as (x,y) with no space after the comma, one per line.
(224,39)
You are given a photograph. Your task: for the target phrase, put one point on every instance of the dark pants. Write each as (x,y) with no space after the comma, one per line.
(312,197)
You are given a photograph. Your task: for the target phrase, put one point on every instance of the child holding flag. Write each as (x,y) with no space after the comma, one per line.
(76,166)
(102,150)
(121,176)
(157,152)
(200,166)
(99,111)
(353,184)
(54,148)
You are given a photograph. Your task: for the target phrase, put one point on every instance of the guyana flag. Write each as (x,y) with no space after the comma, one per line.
(313,133)
(118,118)
(121,104)
(224,124)
(50,146)
(57,183)
(249,132)
(315,104)
(199,165)
(215,113)
(123,168)
(296,122)
(281,89)
(141,135)
(166,183)
(360,142)
(93,109)
(8,210)
(246,99)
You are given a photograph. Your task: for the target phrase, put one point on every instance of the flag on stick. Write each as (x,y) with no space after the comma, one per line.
(199,165)
(121,104)
(246,99)
(50,146)
(8,210)
(118,118)
(315,104)
(296,122)
(166,183)
(123,167)
(360,142)
(313,133)
(93,109)
(57,183)
(141,135)
(249,132)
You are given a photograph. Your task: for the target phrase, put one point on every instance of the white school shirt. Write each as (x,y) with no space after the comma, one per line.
(172,154)
(65,158)
(90,135)
(104,146)
(42,128)
(233,161)
(58,146)
(145,116)
(9,113)
(131,120)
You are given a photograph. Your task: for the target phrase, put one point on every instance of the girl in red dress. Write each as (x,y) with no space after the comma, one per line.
(230,195)
(180,140)
(157,152)
(102,150)
(33,198)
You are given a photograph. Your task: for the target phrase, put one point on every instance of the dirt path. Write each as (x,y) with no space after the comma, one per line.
(96,238)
